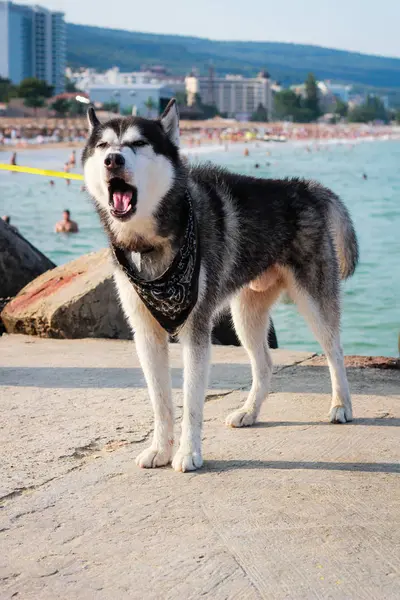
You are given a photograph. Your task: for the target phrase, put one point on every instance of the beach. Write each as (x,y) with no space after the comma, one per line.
(22,133)
(370,299)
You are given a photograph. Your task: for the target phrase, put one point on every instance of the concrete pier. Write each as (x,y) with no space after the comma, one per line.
(292,508)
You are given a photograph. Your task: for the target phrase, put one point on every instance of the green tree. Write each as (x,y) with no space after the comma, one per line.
(397,119)
(61,106)
(341,109)
(127,111)
(288,106)
(70,86)
(286,102)
(34,92)
(311,101)
(111,106)
(34,88)
(260,115)
(150,105)
(372,109)
(34,102)
(181,98)
(77,108)
(7,90)
(209,110)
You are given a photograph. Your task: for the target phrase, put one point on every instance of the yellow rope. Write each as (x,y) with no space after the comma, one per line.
(45,172)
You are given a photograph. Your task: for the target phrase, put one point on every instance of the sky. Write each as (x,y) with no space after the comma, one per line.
(364,26)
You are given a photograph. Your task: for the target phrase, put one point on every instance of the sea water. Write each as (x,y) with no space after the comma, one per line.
(371,298)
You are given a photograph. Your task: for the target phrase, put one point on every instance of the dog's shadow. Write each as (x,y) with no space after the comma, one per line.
(385,421)
(223,377)
(212,466)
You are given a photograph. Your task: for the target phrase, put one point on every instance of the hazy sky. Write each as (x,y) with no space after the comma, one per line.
(361,25)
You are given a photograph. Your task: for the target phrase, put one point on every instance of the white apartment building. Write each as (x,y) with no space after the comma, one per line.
(142,99)
(85,79)
(233,95)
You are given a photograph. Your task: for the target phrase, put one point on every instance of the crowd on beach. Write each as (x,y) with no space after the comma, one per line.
(199,133)
(285,132)
(24,136)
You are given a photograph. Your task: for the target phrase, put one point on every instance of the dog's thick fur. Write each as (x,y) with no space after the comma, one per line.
(258,237)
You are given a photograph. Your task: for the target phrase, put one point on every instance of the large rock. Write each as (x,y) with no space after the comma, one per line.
(20,262)
(76,300)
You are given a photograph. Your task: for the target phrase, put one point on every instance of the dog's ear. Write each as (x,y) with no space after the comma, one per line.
(92,119)
(170,121)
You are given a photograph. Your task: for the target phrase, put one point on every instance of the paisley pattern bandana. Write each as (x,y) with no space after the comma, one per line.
(172,296)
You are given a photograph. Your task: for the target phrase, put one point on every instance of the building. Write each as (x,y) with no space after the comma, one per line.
(84,79)
(32,44)
(233,95)
(142,99)
(328,93)
(342,92)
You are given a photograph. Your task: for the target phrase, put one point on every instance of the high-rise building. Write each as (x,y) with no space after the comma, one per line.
(233,95)
(32,44)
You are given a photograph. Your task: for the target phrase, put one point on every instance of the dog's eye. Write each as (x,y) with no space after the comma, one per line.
(138,144)
(102,145)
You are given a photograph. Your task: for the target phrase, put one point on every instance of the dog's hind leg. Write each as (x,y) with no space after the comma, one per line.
(250,312)
(322,313)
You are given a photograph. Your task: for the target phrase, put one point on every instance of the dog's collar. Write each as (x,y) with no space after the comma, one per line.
(172,296)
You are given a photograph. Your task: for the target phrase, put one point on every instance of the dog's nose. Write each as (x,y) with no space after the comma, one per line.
(114,160)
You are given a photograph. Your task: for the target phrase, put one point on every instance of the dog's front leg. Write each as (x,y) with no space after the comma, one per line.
(152,348)
(196,342)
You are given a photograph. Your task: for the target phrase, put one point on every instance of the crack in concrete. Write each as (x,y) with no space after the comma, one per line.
(81,453)
(296,363)
(31,488)
(248,383)
(223,394)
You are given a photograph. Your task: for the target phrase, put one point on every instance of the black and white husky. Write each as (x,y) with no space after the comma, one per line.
(187,241)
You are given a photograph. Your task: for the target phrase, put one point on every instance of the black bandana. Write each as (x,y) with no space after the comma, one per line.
(172,296)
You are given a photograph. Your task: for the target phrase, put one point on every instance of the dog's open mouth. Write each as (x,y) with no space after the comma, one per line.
(122,198)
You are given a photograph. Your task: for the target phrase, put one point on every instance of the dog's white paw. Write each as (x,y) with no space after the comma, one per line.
(187,461)
(340,414)
(153,457)
(240,418)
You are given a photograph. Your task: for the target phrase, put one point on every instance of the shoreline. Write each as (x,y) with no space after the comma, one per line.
(228,146)
(18,135)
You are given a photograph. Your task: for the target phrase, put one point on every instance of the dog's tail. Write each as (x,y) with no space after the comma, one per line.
(344,236)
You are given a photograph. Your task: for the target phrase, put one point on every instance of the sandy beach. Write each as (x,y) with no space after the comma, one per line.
(217,133)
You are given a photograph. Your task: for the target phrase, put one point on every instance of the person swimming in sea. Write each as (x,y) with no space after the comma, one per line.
(66,225)
(72,159)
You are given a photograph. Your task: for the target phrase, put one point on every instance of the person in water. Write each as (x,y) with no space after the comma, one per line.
(72,159)
(6,219)
(66,225)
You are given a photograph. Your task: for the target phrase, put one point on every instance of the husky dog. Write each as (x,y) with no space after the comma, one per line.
(187,241)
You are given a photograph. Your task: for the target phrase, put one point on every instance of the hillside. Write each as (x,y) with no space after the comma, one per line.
(102,48)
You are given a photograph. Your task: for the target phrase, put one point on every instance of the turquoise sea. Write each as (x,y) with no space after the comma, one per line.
(371,299)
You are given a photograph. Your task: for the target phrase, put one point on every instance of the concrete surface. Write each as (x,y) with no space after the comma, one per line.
(292,508)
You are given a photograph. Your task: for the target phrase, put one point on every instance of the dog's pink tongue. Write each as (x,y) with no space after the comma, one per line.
(121,201)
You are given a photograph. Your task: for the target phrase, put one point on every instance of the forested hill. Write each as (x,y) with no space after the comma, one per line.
(102,48)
